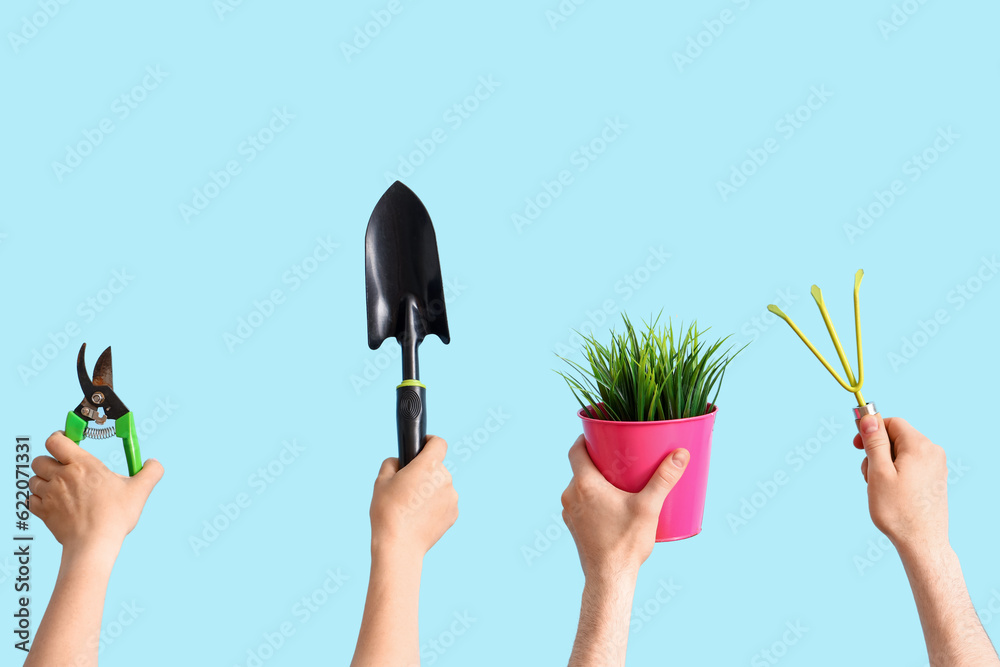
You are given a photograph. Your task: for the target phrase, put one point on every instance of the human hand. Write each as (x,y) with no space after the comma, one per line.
(413,507)
(908,497)
(83,503)
(615,530)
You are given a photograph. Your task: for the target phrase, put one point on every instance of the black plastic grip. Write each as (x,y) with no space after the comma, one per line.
(411,421)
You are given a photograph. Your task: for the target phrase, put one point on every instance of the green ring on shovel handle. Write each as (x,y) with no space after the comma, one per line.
(411,419)
(76,430)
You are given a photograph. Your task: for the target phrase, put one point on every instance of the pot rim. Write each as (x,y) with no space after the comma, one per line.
(580,413)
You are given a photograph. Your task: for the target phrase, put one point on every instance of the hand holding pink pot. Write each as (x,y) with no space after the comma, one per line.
(615,530)
(628,454)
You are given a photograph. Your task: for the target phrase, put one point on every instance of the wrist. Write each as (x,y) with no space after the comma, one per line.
(396,571)
(611,578)
(392,554)
(91,554)
(933,554)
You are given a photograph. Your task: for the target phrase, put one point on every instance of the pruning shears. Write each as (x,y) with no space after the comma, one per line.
(100,403)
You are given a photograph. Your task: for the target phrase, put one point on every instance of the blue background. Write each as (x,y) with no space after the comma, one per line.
(519,293)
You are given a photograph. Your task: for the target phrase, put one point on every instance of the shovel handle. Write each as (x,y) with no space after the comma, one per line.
(411,419)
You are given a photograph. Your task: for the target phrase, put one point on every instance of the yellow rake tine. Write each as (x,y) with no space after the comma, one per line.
(857,329)
(817,294)
(777,311)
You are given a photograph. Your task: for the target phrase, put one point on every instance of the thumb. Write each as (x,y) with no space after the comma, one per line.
(146,479)
(665,477)
(877,444)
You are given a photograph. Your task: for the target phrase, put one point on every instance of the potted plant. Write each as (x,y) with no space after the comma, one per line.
(647,393)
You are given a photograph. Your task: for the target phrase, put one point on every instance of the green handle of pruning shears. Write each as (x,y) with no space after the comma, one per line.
(76,427)
(76,430)
(125,429)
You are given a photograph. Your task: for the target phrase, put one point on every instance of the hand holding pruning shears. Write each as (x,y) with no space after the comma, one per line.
(81,501)
(84,504)
(89,510)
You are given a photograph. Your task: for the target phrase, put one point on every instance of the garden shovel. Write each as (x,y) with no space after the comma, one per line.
(405,300)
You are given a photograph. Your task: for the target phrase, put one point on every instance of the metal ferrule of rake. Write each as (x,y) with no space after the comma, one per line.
(851,385)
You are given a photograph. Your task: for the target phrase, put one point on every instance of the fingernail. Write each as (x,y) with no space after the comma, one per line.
(680,457)
(869,424)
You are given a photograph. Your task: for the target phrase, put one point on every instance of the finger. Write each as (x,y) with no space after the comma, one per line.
(579,458)
(63,449)
(147,478)
(877,444)
(36,485)
(45,467)
(864,468)
(897,426)
(858,442)
(665,477)
(389,468)
(36,506)
(903,436)
(434,450)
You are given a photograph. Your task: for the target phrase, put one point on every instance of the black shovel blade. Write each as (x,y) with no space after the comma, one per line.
(402,271)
